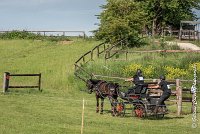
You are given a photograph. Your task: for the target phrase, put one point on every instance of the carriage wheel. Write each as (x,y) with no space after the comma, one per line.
(120,109)
(139,111)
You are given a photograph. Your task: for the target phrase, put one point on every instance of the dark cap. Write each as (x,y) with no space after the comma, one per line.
(162,77)
(139,72)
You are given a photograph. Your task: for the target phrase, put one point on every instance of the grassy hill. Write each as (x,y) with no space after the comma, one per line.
(58,108)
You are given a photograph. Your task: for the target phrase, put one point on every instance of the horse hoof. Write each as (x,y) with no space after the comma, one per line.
(97,111)
(101,112)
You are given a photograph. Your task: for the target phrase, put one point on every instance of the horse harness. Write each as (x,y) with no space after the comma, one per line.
(106,86)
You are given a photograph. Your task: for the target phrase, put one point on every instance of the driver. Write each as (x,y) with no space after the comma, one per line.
(138,82)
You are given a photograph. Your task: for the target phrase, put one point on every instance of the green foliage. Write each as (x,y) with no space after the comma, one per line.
(31,36)
(161,13)
(121,19)
(175,73)
(125,19)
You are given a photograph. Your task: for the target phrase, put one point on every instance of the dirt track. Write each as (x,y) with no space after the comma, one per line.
(187,46)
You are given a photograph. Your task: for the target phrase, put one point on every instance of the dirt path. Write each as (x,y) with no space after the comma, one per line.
(187,46)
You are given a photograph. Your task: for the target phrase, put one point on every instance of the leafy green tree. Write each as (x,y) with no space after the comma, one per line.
(121,19)
(161,13)
(125,19)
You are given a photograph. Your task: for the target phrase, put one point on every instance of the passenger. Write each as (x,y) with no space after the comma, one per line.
(165,95)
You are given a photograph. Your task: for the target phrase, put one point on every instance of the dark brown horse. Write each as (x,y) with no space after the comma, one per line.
(102,90)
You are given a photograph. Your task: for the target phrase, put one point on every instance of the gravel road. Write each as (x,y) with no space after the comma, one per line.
(187,46)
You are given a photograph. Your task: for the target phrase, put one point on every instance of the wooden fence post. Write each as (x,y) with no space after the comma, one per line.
(83,59)
(84,35)
(92,55)
(39,83)
(179,97)
(189,34)
(126,56)
(98,51)
(6,81)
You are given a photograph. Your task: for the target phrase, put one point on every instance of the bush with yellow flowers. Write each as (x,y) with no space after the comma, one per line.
(148,71)
(173,73)
(191,66)
(131,69)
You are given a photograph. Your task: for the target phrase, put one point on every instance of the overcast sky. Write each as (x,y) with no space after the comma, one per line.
(49,14)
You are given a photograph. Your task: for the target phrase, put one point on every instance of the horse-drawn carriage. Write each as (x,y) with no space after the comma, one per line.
(143,104)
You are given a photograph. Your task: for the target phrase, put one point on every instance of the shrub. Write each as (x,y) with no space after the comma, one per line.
(174,73)
(27,35)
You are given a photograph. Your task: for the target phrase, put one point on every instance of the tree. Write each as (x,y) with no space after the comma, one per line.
(125,19)
(121,19)
(161,13)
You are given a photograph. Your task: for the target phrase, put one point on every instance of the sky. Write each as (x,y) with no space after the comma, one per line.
(69,15)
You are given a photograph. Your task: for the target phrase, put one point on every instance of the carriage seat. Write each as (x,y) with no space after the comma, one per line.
(135,95)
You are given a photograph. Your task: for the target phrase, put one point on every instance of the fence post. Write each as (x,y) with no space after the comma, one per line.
(179,97)
(126,55)
(98,51)
(84,59)
(39,83)
(84,35)
(189,34)
(92,55)
(6,81)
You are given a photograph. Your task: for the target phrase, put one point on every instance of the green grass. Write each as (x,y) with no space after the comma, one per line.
(58,108)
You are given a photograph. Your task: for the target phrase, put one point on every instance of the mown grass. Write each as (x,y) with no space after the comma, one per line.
(58,108)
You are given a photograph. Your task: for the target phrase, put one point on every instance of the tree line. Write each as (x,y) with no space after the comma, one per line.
(126,19)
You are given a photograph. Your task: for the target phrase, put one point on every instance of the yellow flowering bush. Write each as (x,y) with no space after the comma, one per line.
(154,71)
(131,69)
(149,71)
(173,73)
(191,66)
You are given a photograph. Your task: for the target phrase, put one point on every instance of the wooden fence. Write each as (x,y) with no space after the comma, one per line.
(183,34)
(108,54)
(7,77)
(189,34)
(55,33)
(89,56)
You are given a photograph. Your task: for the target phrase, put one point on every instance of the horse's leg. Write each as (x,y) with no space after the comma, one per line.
(102,102)
(112,107)
(115,106)
(113,102)
(97,108)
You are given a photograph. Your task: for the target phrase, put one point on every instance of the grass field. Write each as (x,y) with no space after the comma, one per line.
(58,108)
